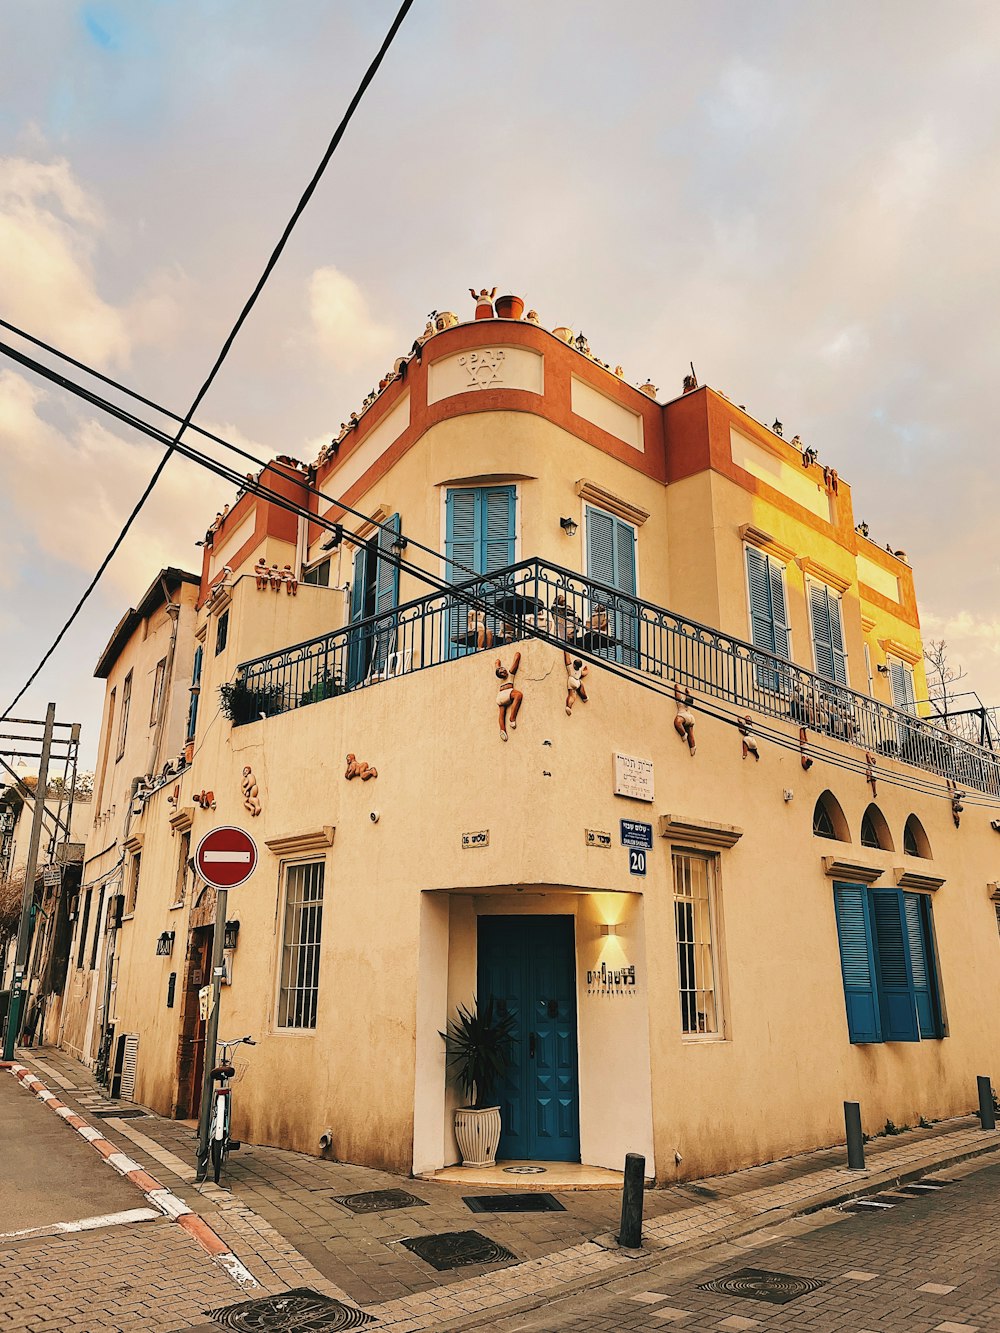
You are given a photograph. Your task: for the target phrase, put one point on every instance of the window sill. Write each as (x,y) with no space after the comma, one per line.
(293,1032)
(703,1038)
(174,907)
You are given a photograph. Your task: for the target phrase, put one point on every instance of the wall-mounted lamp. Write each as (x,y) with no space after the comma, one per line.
(883,669)
(230,934)
(165,944)
(335,538)
(569,526)
(399,544)
(609,930)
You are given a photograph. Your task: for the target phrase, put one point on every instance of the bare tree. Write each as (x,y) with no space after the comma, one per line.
(942,677)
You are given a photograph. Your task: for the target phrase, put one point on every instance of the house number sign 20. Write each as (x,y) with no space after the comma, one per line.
(636,861)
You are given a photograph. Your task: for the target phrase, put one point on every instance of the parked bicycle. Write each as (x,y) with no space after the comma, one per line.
(219,1141)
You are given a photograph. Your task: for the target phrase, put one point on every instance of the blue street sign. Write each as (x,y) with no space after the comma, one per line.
(635,834)
(636,861)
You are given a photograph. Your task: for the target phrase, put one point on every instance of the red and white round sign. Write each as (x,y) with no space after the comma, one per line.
(226,856)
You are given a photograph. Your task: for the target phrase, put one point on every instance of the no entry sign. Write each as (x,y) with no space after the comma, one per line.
(226,856)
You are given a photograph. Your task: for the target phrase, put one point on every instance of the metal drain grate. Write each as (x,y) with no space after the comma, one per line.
(758,1284)
(117,1114)
(535,1202)
(455,1249)
(379,1201)
(299,1311)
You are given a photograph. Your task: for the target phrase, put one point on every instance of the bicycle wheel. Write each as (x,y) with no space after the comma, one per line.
(217,1152)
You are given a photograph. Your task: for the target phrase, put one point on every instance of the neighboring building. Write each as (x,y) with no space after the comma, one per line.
(147,668)
(805,928)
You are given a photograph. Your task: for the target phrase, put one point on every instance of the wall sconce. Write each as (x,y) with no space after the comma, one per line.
(399,544)
(609,930)
(230,934)
(569,526)
(883,669)
(165,944)
(335,538)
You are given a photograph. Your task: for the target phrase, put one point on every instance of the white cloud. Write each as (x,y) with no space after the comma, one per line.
(89,478)
(344,327)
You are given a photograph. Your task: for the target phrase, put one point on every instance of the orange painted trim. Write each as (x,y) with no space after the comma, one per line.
(270,520)
(203,1233)
(905,611)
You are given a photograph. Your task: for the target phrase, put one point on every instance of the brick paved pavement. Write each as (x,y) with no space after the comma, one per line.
(927,1265)
(281,1219)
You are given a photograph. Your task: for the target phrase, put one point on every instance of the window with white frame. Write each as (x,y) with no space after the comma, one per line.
(829,652)
(300,945)
(695,911)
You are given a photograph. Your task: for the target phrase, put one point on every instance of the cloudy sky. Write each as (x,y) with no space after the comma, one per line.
(802,199)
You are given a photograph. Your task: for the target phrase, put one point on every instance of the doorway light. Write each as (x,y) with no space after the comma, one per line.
(609,930)
(569,526)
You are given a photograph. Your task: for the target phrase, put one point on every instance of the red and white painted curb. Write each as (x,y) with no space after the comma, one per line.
(164,1200)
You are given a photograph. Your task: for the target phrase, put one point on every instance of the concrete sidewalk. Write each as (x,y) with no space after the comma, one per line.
(279,1212)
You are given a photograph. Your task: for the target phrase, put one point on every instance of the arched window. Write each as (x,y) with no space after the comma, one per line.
(915,839)
(875,831)
(828,819)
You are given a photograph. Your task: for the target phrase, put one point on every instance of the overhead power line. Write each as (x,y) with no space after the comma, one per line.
(709,707)
(234,331)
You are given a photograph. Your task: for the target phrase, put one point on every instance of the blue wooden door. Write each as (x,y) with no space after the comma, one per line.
(528,963)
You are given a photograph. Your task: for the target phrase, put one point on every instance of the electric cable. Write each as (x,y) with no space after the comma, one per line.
(812,749)
(231,338)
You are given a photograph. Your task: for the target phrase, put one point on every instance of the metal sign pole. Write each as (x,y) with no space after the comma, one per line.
(24,927)
(211,1033)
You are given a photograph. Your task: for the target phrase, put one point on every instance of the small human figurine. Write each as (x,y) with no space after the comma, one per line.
(357,769)
(749,739)
(262,573)
(275,577)
(251,795)
(476,623)
(576,669)
(532,317)
(684,719)
(484,302)
(508,698)
(290,581)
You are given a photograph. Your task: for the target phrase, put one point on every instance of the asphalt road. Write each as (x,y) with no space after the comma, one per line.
(47,1172)
(925,1264)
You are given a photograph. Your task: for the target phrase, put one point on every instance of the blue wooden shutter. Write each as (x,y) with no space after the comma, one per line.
(386,593)
(496,525)
(461,534)
(916,912)
(357,664)
(624,556)
(896,994)
(779,614)
(195,692)
(857,962)
(901,679)
(828,633)
(601,547)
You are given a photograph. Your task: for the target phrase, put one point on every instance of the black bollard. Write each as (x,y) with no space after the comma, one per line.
(855,1138)
(630,1235)
(987,1115)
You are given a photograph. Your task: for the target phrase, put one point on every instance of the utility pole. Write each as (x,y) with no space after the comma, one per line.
(24,927)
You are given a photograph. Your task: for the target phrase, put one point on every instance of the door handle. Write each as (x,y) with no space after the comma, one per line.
(531,1045)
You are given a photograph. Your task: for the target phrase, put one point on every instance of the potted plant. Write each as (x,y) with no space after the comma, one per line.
(509,307)
(480,1045)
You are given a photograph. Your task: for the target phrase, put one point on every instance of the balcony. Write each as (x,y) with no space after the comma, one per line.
(638,640)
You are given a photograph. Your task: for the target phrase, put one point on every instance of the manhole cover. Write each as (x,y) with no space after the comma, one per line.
(536,1202)
(454,1249)
(118,1115)
(379,1201)
(757,1284)
(525,1170)
(297,1311)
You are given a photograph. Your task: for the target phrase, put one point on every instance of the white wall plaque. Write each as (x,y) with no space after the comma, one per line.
(633,777)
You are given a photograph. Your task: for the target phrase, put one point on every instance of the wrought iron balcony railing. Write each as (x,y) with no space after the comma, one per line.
(577,613)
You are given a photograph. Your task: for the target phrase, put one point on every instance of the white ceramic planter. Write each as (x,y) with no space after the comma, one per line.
(478,1134)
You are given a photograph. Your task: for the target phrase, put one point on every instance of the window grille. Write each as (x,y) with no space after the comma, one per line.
(694,917)
(300,949)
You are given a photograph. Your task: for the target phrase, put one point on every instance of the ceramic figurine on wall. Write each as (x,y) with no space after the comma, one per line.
(262,573)
(484,302)
(290,581)
(870,772)
(476,624)
(806,762)
(274,574)
(356,769)
(749,739)
(956,803)
(576,669)
(205,799)
(532,317)
(684,719)
(251,794)
(508,698)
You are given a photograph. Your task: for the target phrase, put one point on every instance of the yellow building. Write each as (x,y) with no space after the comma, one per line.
(719,866)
